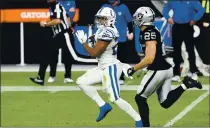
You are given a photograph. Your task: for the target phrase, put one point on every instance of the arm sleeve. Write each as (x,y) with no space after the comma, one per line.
(166,10)
(200,10)
(127,14)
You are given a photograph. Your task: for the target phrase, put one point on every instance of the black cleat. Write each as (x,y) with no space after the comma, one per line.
(190,83)
(37,80)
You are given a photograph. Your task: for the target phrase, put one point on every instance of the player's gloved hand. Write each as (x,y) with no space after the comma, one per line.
(82,37)
(128,71)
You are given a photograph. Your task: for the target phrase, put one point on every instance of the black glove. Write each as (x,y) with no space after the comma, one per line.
(91,40)
(130,71)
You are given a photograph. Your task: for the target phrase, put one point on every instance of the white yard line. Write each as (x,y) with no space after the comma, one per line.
(54,89)
(35,67)
(187,109)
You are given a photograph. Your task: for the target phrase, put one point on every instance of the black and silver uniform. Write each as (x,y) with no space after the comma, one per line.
(150,33)
(57,11)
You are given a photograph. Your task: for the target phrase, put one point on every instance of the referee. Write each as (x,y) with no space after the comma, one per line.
(69,6)
(186,14)
(62,38)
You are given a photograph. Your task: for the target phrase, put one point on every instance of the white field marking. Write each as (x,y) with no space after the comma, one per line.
(54,89)
(187,109)
(34,68)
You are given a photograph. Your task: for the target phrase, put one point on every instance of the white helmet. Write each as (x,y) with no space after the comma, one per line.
(144,16)
(105,17)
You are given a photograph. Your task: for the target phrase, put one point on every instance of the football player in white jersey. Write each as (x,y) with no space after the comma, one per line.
(109,68)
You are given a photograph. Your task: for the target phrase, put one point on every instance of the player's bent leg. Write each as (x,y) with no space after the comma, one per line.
(172,97)
(93,94)
(84,83)
(92,76)
(168,97)
(88,79)
(110,80)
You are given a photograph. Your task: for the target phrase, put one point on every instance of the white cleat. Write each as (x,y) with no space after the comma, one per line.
(51,80)
(176,78)
(121,82)
(194,76)
(68,80)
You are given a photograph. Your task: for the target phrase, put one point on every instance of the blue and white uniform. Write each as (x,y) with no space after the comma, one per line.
(109,67)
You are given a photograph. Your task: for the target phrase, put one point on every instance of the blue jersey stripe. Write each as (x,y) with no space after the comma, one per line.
(116,80)
(112,83)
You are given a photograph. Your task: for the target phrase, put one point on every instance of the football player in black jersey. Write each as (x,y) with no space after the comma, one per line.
(159,75)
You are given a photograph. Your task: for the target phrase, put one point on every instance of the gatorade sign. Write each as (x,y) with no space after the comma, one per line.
(28,15)
(34,15)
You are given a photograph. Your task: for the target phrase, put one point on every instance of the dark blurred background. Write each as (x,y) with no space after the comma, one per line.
(37,38)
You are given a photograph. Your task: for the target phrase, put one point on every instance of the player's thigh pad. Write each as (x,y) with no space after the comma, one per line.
(92,76)
(165,88)
(150,82)
(110,78)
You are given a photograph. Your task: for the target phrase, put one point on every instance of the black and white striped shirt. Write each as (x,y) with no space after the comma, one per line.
(57,11)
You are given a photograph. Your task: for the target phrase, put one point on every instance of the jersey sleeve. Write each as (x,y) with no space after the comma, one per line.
(149,35)
(106,35)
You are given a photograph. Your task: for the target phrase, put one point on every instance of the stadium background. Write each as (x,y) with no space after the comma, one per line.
(57,104)
(37,38)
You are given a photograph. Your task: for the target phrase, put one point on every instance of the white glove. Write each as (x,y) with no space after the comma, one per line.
(128,71)
(82,37)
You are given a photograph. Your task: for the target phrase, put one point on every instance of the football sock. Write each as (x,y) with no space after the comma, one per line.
(172,97)
(93,94)
(126,107)
(143,109)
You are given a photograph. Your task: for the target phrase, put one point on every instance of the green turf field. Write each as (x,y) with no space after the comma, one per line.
(74,108)
(22,79)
